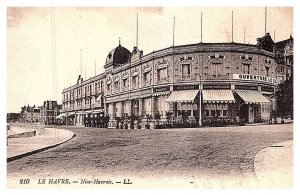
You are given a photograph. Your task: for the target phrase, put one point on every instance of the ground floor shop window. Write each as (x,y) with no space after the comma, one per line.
(213,110)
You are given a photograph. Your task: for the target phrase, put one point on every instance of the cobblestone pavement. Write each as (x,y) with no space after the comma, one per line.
(227,152)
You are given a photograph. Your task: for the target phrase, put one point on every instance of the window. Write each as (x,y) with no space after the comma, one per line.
(125,81)
(206,112)
(215,69)
(213,113)
(267,71)
(161,74)
(146,76)
(186,70)
(224,112)
(108,87)
(218,112)
(189,112)
(134,81)
(117,85)
(246,68)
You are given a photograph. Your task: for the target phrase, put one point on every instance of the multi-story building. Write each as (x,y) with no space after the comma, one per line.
(49,112)
(30,114)
(228,81)
(284,58)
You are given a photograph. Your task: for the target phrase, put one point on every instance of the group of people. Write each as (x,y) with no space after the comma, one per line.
(101,121)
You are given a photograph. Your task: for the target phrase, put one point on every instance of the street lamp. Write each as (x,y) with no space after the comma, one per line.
(200,105)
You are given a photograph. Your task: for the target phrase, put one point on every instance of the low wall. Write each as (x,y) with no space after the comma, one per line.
(25,134)
(17,130)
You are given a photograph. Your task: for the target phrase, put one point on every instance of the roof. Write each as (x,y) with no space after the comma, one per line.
(119,55)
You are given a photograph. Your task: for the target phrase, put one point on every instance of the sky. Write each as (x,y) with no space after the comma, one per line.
(97,30)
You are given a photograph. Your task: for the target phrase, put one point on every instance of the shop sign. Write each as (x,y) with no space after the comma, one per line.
(161,89)
(268,89)
(135,94)
(250,77)
(185,87)
(246,87)
(145,92)
(216,87)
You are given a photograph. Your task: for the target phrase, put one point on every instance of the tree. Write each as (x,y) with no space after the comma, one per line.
(285,98)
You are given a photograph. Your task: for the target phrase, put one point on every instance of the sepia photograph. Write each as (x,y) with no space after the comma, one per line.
(149,97)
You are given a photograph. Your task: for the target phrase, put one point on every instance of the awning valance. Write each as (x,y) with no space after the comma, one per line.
(252,97)
(183,96)
(218,96)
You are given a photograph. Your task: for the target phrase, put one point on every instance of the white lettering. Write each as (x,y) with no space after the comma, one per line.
(254,77)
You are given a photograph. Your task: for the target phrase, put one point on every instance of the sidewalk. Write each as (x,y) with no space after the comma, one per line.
(21,147)
(274,165)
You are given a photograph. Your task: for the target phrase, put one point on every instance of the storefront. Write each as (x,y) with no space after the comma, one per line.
(252,106)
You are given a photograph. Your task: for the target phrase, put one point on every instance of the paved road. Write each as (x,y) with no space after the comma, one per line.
(209,152)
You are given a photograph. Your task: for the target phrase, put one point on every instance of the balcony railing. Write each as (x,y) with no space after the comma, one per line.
(125,88)
(216,77)
(162,80)
(185,78)
(146,83)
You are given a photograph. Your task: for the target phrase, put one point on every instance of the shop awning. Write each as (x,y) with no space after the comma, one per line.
(252,97)
(61,115)
(183,96)
(218,96)
(98,111)
(99,98)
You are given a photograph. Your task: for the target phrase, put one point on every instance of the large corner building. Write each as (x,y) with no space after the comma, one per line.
(228,81)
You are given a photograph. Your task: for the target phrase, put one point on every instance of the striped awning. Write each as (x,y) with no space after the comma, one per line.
(252,97)
(218,96)
(61,115)
(183,96)
(99,98)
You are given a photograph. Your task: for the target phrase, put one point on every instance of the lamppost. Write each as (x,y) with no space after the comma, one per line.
(200,105)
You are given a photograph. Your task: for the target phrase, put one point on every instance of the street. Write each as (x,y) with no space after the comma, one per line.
(211,152)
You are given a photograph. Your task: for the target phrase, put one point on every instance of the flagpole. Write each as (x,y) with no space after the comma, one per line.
(201,27)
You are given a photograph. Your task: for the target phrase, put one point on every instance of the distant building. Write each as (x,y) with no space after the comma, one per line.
(285,59)
(30,114)
(12,117)
(49,112)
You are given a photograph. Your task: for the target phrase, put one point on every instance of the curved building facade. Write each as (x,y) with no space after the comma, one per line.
(231,82)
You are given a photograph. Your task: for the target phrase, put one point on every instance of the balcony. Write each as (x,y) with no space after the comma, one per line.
(216,77)
(134,86)
(181,78)
(162,80)
(146,83)
(125,88)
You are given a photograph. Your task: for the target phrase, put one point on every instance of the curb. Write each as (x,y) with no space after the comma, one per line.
(9,159)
